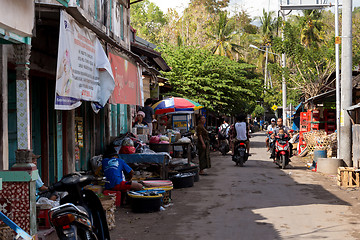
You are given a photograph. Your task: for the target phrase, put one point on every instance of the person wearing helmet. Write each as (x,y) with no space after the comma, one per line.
(270,128)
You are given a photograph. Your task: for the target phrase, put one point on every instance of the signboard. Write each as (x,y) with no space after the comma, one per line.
(181,121)
(128,81)
(83,69)
(337,40)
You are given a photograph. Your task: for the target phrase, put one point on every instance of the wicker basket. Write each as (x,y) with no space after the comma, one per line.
(6,233)
(108,203)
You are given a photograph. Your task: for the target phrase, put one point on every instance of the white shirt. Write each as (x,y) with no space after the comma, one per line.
(271,128)
(240,128)
(223,126)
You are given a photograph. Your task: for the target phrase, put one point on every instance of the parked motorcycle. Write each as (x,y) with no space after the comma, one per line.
(193,149)
(214,144)
(224,147)
(282,150)
(240,153)
(80,214)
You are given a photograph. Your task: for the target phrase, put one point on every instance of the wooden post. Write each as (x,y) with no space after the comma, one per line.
(356,144)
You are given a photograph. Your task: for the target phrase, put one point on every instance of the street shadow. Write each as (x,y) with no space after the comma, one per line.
(235,203)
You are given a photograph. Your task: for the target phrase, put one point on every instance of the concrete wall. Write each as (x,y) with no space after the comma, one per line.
(17,16)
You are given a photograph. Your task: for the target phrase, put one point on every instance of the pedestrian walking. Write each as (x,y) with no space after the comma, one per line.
(203,145)
(149,114)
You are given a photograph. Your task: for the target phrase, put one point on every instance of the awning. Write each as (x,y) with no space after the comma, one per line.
(320,96)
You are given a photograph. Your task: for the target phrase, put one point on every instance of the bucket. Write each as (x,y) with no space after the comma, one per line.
(319,154)
(146,204)
(183,180)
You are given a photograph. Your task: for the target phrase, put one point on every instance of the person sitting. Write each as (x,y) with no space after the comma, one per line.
(241,132)
(270,128)
(40,186)
(282,135)
(114,168)
(140,120)
(277,129)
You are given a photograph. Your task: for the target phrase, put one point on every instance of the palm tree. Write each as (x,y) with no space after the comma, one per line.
(268,25)
(311,26)
(223,35)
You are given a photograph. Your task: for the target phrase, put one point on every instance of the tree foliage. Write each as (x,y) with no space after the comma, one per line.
(309,66)
(218,83)
(223,36)
(148,20)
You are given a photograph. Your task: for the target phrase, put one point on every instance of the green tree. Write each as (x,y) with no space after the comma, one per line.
(212,6)
(218,83)
(309,66)
(268,24)
(223,34)
(148,20)
(311,26)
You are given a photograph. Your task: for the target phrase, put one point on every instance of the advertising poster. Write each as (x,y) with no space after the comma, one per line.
(83,69)
(128,82)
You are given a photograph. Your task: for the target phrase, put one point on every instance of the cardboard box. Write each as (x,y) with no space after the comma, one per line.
(143,131)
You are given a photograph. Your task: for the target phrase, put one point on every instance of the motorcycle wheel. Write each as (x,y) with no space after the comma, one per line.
(283,161)
(241,161)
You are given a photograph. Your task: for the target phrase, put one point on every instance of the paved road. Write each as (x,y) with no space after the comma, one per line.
(258,201)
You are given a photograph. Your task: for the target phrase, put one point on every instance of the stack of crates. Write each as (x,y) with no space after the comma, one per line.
(314,119)
(330,121)
(304,127)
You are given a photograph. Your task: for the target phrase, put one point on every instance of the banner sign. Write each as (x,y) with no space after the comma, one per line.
(128,81)
(83,69)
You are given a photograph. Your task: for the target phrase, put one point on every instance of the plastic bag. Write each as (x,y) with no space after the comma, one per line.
(46,201)
(184,140)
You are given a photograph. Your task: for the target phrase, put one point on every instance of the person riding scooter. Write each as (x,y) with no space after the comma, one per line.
(276,132)
(241,132)
(270,128)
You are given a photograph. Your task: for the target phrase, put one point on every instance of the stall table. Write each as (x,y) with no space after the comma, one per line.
(186,145)
(159,158)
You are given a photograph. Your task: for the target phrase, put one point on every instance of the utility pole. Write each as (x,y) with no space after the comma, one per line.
(283,78)
(337,60)
(266,63)
(346,83)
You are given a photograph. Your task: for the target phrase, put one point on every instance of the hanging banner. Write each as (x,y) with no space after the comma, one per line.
(83,69)
(128,81)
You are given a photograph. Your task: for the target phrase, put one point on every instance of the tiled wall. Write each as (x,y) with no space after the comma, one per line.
(15,203)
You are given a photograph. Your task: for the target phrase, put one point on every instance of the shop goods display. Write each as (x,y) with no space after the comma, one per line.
(146,201)
(165,185)
(319,140)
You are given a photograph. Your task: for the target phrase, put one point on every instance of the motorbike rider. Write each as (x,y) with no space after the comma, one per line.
(241,132)
(269,129)
(225,126)
(276,132)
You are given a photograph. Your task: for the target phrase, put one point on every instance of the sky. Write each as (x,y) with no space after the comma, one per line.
(253,7)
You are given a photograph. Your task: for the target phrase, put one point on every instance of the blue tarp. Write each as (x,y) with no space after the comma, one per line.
(161,158)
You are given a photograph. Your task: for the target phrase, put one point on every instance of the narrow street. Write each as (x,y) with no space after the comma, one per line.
(258,201)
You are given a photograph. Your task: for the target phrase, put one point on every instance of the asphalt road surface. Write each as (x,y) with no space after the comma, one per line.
(258,201)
